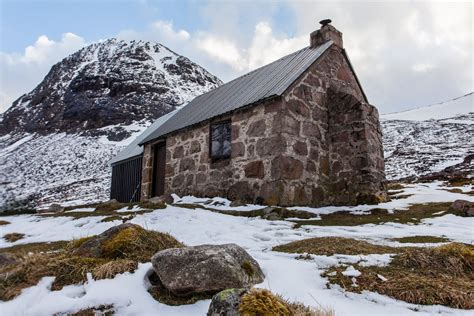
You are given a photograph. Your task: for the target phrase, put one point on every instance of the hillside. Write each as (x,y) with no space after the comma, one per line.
(56,141)
(428,139)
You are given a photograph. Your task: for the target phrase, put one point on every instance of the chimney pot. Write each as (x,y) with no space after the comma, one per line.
(326,33)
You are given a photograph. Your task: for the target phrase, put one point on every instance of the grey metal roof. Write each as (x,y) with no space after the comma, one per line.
(262,83)
(134,149)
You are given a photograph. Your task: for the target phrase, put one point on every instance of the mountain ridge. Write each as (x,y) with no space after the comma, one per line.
(106,83)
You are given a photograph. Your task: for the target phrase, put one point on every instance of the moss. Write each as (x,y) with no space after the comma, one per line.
(248,268)
(262,302)
(421,239)
(414,214)
(441,275)
(334,245)
(4,222)
(12,237)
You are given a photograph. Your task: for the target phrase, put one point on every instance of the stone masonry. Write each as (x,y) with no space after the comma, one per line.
(318,144)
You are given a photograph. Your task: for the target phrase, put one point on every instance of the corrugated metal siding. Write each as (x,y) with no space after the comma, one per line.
(126,180)
(262,83)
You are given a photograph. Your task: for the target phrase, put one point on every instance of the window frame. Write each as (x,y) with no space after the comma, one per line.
(221,157)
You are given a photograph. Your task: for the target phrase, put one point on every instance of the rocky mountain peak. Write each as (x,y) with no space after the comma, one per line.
(108,83)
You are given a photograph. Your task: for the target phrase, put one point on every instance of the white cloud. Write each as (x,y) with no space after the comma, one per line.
(20,73)
(263,48)
(403,52)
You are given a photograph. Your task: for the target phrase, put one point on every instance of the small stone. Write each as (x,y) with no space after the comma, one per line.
(226,303)
(55,208)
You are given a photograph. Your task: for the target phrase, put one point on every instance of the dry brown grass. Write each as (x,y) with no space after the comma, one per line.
(334,245)
(414,214)
(120,254)
(110,269)
(420,239)
(2,222)
(443,275)
(263,302)
(12,237)
(36,247)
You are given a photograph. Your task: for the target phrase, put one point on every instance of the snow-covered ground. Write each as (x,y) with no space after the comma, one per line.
(294,279)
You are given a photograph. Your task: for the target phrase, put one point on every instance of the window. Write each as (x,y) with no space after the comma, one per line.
(220,140)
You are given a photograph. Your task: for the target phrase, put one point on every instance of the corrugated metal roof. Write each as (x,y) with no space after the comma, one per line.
(262,83)
(133,149)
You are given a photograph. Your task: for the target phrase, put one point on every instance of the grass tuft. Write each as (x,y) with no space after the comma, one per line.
(120,254)
(4,222)
(414,214)
(421,239)
(110,269)
(12,237)
(138,244)
(334,245)
(264,302)
(442,275)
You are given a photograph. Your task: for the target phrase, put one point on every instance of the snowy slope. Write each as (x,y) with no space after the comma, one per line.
(415,144)
(443,110)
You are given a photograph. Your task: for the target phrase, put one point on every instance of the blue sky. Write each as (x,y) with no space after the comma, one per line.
(407,54)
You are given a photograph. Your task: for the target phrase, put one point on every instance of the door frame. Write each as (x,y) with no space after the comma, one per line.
(158,170)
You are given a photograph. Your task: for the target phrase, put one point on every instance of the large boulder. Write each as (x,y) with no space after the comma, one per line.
(206,269)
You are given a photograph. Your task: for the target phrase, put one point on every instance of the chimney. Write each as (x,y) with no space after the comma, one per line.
(326,33)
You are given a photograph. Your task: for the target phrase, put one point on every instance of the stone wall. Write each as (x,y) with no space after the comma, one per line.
(319,144)
(246,176)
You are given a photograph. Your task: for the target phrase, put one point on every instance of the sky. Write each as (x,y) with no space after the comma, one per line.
(406,53)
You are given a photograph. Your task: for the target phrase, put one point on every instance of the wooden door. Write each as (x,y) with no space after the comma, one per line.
(159,161)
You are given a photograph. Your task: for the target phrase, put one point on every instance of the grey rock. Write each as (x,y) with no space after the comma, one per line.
(206,269)
(226,303)
(55,208)
(166,198)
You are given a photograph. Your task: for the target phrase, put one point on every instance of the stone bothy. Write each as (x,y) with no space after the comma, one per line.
(299,131)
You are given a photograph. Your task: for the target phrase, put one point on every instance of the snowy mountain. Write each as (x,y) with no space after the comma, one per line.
(56,141)
(107,83)
(428,139)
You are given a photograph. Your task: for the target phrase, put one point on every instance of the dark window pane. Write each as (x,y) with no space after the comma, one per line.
(220,140)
